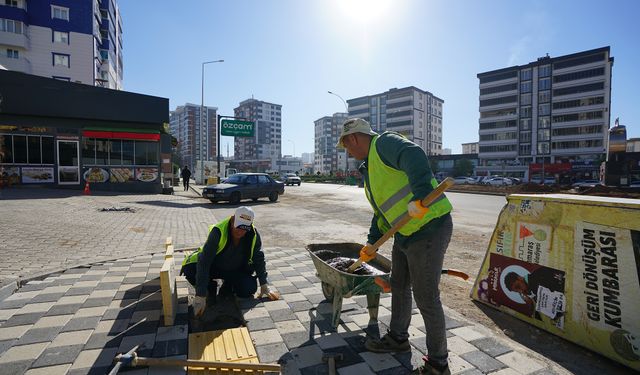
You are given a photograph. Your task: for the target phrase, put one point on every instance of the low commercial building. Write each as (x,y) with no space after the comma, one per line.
(64,134)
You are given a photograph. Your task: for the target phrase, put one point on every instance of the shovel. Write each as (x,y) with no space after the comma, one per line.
(444,185)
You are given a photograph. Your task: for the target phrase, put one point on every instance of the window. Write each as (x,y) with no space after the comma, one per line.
(525,111)
(496,89)
(525,137)
(11,3)
(61,13)
(146,153)
(544,71)
(60,37)
(525,150)
(544,96)
(263,179)
(499,77)
(543,147)
(579,75)
(525,99)
(13,54)
(498,124)
(543,135)
(10,26)
(525,74)
(525,87)
(21,149)
(544,83)
(60,60)
(544,122)
(525,124)
(578,89)
(544,109)
(501,100)
(579,61)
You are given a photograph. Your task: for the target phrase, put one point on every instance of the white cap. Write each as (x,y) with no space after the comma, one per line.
(354,125)
(243,218)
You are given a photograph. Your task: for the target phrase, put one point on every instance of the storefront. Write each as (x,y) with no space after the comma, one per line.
(65,134)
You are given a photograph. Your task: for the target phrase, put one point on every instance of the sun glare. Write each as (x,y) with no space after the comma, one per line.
(364,12)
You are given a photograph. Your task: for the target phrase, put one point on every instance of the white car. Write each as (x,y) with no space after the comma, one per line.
(291,179)
(586,183)
(498,181)
(461,180)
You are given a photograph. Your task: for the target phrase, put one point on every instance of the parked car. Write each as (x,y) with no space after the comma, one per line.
(515,180)
(462,180)
(498,181)
(586,183)
(291,179)
(244,186)
(546,181)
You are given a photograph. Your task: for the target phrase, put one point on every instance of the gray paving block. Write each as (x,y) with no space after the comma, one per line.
(287,289)
(22,319)
(5,345)
(107,286)
(300,306)
(49,297)
(170,348)
(451,323)
(410,360)
(76,271)
(297,339)
(271,353)
(17,368)
(356,343)
(79,291)
(290,273)
(144,328)
(313,279)
(483,361)
(117,313)
(31,286)
(420,344)
(134,280)
(349,356)
(273,277)
(79,324)
(58,355)
(64,309)
(90,277)
(103,340)
(315,298)
(260,324)
(319,369)
(149,305)
(491,346)
(473,371)
(36,335)
(302,284)
(96,302)
(14,304)
(282,315)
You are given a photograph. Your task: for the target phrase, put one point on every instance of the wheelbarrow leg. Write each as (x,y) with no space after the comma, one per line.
(373,302)
(337,307)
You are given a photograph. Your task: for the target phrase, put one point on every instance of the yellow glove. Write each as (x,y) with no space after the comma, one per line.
(199,305)
(265,291)
(367,253)
(416,210)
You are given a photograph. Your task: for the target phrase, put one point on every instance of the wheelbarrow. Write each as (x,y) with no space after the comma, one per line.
(337,284)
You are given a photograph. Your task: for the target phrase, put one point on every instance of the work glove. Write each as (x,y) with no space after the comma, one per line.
(416,210)
(199,305)
(367,253)
(265,291)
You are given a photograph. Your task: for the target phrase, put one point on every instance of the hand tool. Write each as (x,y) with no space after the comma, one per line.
(444,185)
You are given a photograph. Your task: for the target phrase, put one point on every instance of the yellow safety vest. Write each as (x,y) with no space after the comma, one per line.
(223,226)
(389,193)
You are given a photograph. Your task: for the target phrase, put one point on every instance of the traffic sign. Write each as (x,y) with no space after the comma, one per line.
(237,128)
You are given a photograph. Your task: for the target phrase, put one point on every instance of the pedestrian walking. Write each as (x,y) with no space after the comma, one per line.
(186,175)
(397,177)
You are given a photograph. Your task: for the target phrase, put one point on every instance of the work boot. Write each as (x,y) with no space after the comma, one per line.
(432,368)
(387,344)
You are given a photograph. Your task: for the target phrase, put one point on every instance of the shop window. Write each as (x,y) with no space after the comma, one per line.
(6,148)
(88,151)
(34,152)
(127,152)
(47,150)
(19,149)
(146,153)
(115,156)
(102,151)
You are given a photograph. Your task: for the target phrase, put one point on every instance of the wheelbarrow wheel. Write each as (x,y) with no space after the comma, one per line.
(327,290)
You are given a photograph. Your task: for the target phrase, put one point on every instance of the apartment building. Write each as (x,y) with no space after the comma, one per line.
(326,154)
(78,41)
(260,152)
(415,113)
(188,128)
(550,116)
(470,148)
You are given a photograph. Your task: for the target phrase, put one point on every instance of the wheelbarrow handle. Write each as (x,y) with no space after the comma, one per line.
(435,194)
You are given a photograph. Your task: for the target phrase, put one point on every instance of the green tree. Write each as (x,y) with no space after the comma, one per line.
(463,167)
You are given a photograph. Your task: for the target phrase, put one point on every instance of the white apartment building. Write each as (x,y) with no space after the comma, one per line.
(260,152)
(552,113)
(415,113)
(470,148)
(186,125)
(326,154)
(78,41)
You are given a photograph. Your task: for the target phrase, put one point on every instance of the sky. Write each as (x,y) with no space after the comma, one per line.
(291,52)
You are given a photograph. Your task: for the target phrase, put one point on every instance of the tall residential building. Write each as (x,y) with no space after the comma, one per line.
(77,41)
(413,112)
(326,132)
(307,157)
(550,116)
(263,149)
(188,129)
(470,148)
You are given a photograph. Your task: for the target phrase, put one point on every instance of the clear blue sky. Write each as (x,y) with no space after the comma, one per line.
(291,52)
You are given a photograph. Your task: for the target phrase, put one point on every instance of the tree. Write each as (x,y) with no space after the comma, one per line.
(463,167)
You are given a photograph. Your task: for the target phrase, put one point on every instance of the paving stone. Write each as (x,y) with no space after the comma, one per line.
(420,344)
(64,309)
(97,302)
(116,313)
(357,369)
(300,306)
(58,355)
(506,371)
(143,328)
(356,343)
(5,345)
(19,295)
(72,299)
(269,336)
(271,353)
(42,307)
(482,361)
(170,348)
(14,304)
(467,333)
(176,332)
(85,312)
(88,277)
(321,369)
(80,324)
(459,346)
(75,291)
(145,341)
(16,367)
(22,319)
(315,298)
(71,338)
(282,315)
(409,360)
(458,364)
(491,346)
(307,356)
(475,371)
(55,289)
(451,323)
(287,289)
(5,314)
(379,361)
(103,340)
(50,370)
(302,284)
(256,312)
(36,335)
(260,324)
(11,333)
(297,339)
(150,315)
(49,297)
(520,362)
(22,353)
(330,341)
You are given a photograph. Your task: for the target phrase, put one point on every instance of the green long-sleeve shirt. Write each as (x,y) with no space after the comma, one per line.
(400,153)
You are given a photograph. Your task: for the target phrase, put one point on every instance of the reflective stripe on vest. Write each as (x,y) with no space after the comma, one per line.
(389,193)
(223,226)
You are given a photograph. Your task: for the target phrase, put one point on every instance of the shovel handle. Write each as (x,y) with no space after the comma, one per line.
(456,273)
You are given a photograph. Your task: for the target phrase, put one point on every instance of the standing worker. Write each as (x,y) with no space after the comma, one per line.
(186,175)
(233,253)
(397,177)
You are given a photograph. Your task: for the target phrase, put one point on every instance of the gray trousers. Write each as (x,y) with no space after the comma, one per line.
(418,266)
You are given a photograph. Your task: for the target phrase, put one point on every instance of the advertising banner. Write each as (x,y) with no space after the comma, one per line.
(37,175)
(569,265)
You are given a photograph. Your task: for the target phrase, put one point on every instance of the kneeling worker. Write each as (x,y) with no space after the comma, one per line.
(233,253)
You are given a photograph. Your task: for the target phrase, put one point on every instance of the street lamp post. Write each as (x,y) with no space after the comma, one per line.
(202,117)
(346,153)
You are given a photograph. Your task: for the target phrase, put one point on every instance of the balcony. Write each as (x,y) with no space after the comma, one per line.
(104,24)
(15,40)
(18,65)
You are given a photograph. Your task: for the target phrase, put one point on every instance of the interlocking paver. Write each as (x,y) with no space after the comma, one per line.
(271,353)
(269,336)
(58,355)
(467,333)
(11,333)
(36,335)
(379,361)
(22,319)
(23,353)
(491,346)
(331,341)
(49,370)
(482,361)
(520,362)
